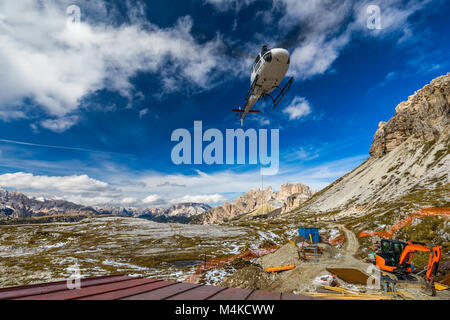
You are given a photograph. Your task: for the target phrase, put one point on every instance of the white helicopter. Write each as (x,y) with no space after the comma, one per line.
(268,71)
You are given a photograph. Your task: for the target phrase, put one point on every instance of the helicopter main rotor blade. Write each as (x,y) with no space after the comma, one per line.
(233,51)
(294,37)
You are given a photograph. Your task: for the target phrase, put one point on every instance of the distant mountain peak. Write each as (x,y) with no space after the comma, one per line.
(16,205)
(177,212)
(251,202)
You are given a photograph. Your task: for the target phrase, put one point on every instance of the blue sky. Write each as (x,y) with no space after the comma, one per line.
(87,109)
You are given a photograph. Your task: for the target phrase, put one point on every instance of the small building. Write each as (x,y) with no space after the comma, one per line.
(305,232)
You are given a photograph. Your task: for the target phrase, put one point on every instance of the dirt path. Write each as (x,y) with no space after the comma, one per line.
(301,278)
(351,242)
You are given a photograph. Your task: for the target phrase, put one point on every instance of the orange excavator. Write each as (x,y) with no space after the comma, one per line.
(395,257)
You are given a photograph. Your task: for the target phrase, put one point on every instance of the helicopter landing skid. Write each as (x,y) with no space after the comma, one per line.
(281,94)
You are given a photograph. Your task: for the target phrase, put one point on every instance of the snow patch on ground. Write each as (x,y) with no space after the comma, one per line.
(334,233)
(123,265)
(215,276)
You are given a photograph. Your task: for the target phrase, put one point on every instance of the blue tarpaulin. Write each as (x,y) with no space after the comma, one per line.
(305,232)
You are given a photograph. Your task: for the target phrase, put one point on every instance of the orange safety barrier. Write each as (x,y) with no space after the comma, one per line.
(281,268)
(218,262)
(427,212)
(337,240)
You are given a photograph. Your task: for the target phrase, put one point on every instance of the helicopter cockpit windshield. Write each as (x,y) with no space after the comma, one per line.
(265,53)
(258,57)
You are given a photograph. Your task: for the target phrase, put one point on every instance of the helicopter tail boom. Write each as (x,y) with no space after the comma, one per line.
(250,111)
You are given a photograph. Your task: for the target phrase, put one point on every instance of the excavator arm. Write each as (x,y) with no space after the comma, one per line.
(433,262)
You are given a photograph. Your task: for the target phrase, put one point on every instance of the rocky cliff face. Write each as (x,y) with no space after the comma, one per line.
(294,201)
(289,189)
(425,115)
(16,205)
(409,163)
(255,202)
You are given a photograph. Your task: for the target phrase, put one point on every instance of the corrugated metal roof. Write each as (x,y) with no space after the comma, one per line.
(132,288)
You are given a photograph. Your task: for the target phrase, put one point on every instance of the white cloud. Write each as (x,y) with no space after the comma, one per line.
(84,190)
(321,175)
(34,127)
(315,56)
(143,112)
(235,5)
(128,200)
(126,189)
(203,183)
(298,108)
(306,154)
(229,184)
(79,189)
(201,198)
(76,183)
(393,75)
(152,198)
(59,124)
(331,25)
(56,63)
(8,114)
(326,27)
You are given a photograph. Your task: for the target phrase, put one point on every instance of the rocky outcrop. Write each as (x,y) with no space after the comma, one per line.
(186,209)
(293,195)
(180,212)
(126,211)
(409,162)
(289,189)
(250,202)
(424,116)
(16,205)
(294,201)
(244,204)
